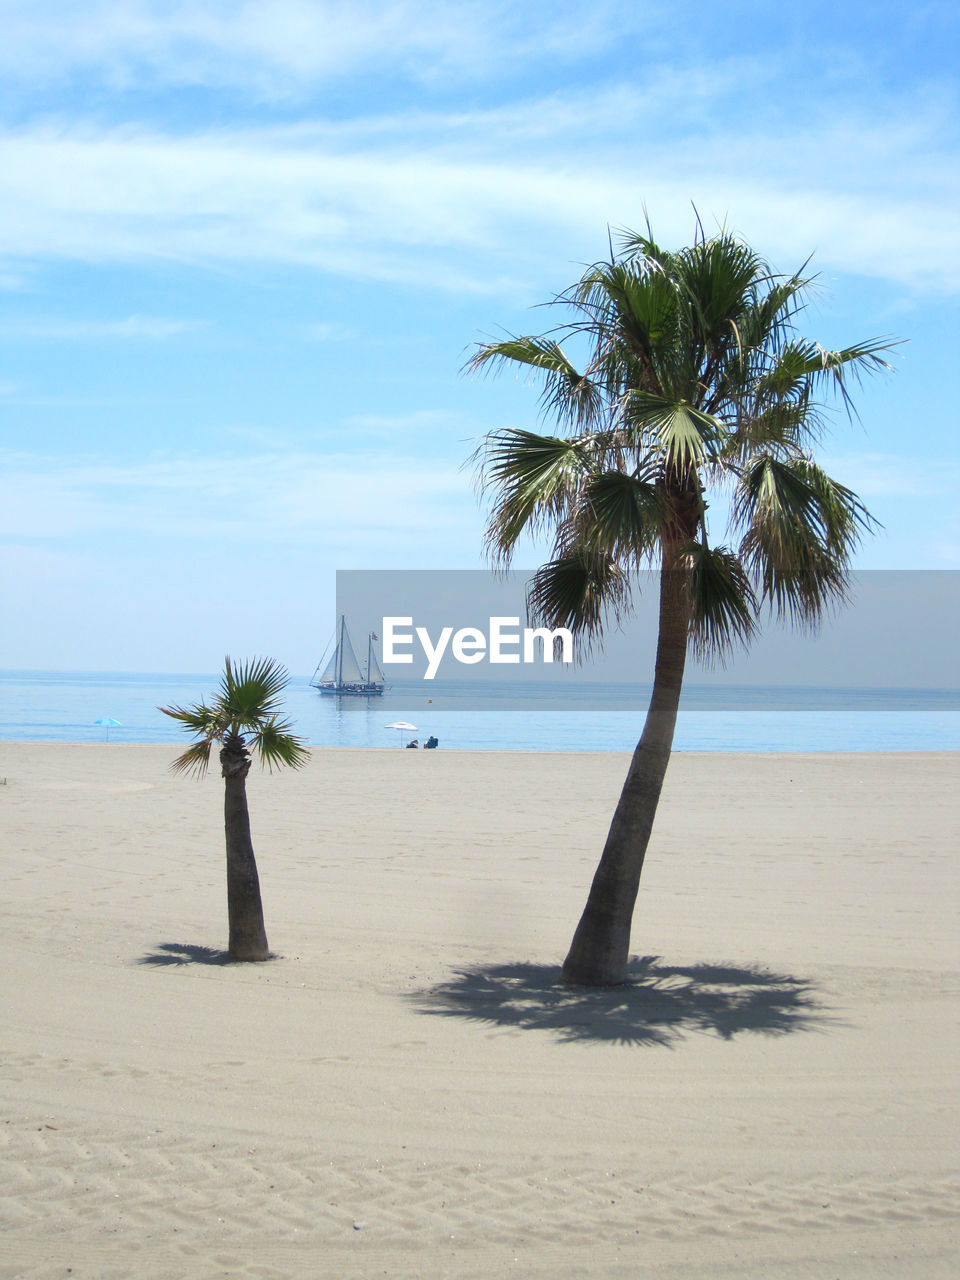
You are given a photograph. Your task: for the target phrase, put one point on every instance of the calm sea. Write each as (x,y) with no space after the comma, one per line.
(61,706)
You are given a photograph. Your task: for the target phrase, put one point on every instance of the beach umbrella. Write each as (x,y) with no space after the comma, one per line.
(403,726)
(107,721)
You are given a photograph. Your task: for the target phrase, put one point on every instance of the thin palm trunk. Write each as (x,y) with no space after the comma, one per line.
(248,938)
(600,949)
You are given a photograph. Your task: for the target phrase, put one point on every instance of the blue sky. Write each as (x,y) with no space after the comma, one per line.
(245,249)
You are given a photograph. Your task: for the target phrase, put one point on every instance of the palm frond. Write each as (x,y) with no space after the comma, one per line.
(567,393)
(250,691)
(683,434)
(532,479)
(643,251)
(791,502)
(620,514)
(838,368)
(843,517)
(637,308)
(802,596)
(723,603)
(719,278)
(781,426)
(801,529)
(198,719)
(539,352)
(767,322)
(581,589)
(246,704)
(278,747)
(786,376)
(196,758)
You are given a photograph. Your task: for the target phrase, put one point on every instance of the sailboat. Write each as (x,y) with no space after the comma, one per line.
(342,673)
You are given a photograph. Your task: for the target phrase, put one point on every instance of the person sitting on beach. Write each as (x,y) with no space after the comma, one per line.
(414,743)
(431,743)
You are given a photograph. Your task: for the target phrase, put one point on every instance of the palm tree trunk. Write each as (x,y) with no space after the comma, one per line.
(600,948)
(248,938)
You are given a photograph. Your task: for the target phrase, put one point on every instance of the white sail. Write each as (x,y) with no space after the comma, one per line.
(348,668)
(329,673)
(374,669)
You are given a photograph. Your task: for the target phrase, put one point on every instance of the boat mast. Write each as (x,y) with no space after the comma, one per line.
(343,624)
(369,655)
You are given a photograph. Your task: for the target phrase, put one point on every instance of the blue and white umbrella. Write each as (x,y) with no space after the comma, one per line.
(107,722)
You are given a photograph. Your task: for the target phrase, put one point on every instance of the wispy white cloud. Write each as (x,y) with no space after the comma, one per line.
(136,327)
(281,48)
(341,500)
(329,331)
(470,199)
(456,202)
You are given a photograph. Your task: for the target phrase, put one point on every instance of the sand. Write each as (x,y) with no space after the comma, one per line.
(407,1091)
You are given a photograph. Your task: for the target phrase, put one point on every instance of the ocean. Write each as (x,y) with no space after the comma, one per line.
(64,706)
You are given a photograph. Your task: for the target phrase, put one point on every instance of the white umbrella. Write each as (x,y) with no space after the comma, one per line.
(403,726)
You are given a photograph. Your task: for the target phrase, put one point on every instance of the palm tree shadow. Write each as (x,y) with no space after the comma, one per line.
(658,1005)
(178,953)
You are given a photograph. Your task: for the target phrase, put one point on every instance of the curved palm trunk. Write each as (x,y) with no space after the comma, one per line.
(248,938)
(599,951)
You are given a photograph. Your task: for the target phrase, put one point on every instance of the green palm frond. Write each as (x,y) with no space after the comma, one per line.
(791,502)
(838,368)
(772,314)
(199,719)
(539,352)
(843,517)
(621,515)
(247,703)
(719,279)
(788,371)
(683,434)
(533,479)
(278,747)
(801,529)
(635,308)
(774,496)
(580,588)
(783,426)
(250,692)
(568,394)
(723,603)
(643,251)
(804,595)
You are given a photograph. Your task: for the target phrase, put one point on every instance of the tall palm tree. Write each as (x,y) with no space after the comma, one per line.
(243,716)
(695,377)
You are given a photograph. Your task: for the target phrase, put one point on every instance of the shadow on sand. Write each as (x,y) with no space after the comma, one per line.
(658,1005)
(170,953)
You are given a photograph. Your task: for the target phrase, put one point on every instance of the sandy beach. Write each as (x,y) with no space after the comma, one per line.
(407,1091)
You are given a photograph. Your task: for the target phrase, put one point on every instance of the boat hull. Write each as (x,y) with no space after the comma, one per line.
(373,691)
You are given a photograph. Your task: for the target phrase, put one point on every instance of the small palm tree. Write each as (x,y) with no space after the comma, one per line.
(242,717)
(695,377)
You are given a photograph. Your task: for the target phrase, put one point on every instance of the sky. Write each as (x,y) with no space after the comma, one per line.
(246,249)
